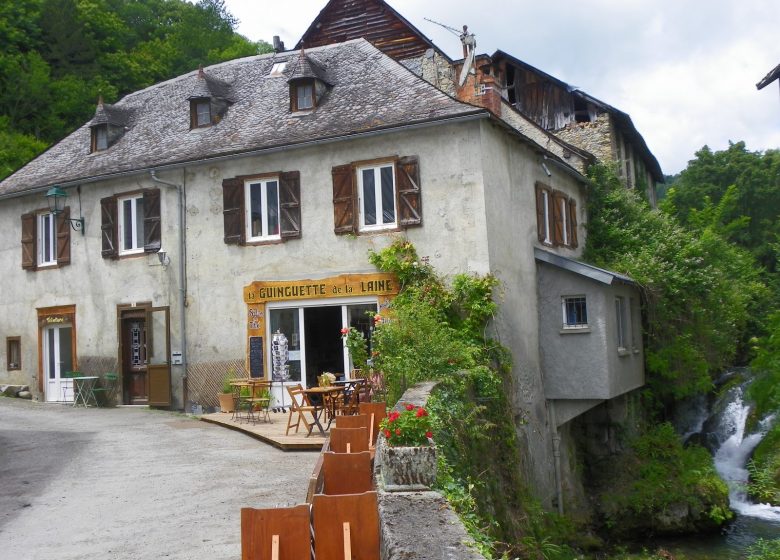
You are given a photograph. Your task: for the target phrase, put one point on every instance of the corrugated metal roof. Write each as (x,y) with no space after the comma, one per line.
(581,268)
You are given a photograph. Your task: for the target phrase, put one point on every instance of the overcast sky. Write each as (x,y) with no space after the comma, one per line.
(685,70)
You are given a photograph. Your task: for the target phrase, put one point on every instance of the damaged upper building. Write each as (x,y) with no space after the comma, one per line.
(585,128)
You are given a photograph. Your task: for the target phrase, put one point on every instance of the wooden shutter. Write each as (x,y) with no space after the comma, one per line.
(344,214)
(290,203)
(573,223)
(407,183)
(557,219)
(29,239)
(233,210)
(540,214)
(63,237)
(152,225)
(108,227)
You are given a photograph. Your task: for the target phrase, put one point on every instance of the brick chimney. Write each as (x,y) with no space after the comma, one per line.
(481,89)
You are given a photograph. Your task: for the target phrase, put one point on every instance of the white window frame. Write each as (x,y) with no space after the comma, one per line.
(576,326)
(46,258)
(380,225)
(137,239)
(565,220)
(263,182)
(202,103)
(547,230)
(304,92)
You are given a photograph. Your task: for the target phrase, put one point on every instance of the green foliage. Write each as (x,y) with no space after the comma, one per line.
(764,549)
(764,469)
(16,149)
(765,388)
(357,345)
(58,56)
(656,475)
(699,290)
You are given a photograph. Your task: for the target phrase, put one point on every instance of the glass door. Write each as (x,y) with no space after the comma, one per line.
(360,317)
(287,321)
(57,360)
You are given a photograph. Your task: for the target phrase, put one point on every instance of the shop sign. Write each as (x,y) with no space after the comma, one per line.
(347,285)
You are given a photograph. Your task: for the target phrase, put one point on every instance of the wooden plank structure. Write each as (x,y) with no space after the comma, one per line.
(348,440)
(272,433)
(373,20)
(376,411)
(276,534)
(346,473)
(346,524)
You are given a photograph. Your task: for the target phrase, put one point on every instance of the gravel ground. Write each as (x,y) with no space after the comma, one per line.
(126,483)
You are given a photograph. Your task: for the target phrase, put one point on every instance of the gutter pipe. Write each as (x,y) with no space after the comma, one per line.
(556,441)
(182,275)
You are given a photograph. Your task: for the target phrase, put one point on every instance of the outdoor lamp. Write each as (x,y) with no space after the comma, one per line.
(56,198)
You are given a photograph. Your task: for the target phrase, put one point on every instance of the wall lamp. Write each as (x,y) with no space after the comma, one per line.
(56,198)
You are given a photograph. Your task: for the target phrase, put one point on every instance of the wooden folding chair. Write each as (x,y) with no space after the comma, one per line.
(346,473)
(299,405)
(376,412)
(346,527)
(348,440)
(276,534)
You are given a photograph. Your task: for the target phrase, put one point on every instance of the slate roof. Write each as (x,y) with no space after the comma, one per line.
(208,86)
(370,91)
(110,114)
(303,68)
(583,269)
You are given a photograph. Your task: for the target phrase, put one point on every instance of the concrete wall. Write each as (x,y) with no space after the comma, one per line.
(511,171)
(586,363)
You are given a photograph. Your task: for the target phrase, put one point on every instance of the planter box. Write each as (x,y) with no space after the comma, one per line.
(403,469)
(226,402)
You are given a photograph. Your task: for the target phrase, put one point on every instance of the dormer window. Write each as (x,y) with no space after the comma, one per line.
(303,95)
(99,137)
(200,113)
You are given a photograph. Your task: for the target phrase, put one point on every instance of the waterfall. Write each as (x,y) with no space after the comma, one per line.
(732,449)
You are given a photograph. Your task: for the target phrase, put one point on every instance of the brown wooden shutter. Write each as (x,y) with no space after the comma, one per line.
(407,183)
(233,210)
(573,223)
(108,227)
(344,214)
(540,215)
(557,219)
(29,239)
(152,225)
(290,203)
(63,237)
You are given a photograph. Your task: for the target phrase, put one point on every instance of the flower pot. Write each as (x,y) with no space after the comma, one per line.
(403,469)
(226,402)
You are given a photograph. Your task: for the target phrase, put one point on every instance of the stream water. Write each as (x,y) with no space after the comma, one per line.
(721,427)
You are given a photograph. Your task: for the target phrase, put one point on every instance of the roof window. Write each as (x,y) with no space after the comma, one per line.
(107,126)
(308,83)
(209,100)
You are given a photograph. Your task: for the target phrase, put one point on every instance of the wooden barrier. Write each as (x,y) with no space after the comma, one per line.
(379,411)
(346,524)
(348,440)
(346,473)
(276,534)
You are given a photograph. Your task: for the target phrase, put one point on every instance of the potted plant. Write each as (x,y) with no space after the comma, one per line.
(358,347)
(226,403)
(407,456)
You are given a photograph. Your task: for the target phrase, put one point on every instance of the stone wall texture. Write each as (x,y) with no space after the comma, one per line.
(594,137)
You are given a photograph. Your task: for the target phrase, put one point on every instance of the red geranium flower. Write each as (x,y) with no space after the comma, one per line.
(398,431)
(387,433)
(393,416)
(429,434)
(344,331)
(377,318)
(409,406)
(421,412)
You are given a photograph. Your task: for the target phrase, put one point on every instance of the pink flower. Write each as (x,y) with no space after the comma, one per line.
(344,331)
(377,318)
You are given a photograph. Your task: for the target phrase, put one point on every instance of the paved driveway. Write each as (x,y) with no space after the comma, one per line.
(134,483)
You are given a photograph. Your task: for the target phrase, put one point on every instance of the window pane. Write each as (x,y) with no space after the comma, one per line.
(286,321)
(51,358)
(204,113)
(575,312)
(304,97)
(66,355)
(139,223)
(101,138)
(256,205)
(273,207)
(388,195)
(47,227)
(369,198)
(127,224)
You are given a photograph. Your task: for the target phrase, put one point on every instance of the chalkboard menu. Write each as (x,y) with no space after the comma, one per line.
(255,356)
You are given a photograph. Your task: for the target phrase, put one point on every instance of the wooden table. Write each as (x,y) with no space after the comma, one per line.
(328,404)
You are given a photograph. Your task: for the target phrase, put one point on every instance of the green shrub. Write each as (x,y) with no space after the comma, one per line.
(764,549)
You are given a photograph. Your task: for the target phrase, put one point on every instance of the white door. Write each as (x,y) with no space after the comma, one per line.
(58,359)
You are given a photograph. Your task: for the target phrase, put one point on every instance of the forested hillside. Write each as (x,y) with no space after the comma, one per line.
(58,56)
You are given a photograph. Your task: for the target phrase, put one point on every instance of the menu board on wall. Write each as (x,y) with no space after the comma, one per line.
(256,356)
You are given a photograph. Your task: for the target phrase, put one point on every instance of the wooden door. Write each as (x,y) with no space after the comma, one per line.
(134,359)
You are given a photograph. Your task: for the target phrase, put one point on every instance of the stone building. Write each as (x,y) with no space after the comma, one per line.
(205,213)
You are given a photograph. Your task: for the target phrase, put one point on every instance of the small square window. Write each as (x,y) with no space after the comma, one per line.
(277,69)
(575,312)
(13,353)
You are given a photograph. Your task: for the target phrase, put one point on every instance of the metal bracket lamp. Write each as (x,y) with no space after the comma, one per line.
(56,198)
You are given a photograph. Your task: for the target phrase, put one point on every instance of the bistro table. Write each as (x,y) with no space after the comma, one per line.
(83,390)
(352,390)
(327,398)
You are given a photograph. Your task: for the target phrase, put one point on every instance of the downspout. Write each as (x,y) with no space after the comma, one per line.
(182,274)
(556,441)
